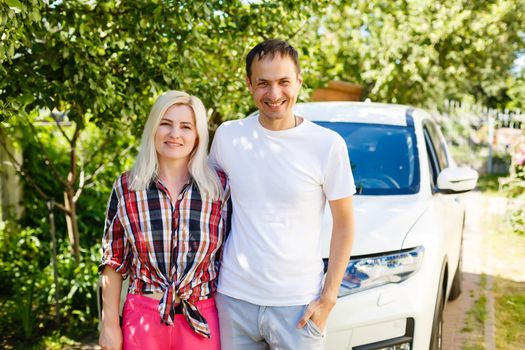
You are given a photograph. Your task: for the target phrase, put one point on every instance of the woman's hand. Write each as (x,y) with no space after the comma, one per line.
(110,337)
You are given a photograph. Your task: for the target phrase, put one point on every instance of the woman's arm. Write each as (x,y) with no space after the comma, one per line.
(110,333)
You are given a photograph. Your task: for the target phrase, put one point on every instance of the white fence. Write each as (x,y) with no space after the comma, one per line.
(492,129)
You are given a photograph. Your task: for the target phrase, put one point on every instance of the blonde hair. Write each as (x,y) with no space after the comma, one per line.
(146,164)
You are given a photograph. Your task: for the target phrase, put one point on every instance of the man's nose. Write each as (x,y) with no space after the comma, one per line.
(275,92)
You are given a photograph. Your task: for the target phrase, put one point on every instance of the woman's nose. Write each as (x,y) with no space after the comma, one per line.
(175,131)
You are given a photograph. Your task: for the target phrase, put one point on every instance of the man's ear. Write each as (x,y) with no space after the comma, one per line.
(249,84)
(300,79)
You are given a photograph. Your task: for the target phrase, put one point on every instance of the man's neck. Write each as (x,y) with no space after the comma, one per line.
(288,122)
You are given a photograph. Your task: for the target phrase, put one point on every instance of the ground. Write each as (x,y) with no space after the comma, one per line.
(492,266)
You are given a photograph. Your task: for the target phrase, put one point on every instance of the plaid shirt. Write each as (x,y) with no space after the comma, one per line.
(171,248)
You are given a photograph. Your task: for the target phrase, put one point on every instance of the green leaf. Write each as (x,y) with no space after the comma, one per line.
(11,50)
(26,99)
(15,3)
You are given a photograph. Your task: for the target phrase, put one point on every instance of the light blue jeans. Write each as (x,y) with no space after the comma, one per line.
(246,326)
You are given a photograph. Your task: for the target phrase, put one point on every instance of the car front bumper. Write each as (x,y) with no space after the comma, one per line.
(386,316)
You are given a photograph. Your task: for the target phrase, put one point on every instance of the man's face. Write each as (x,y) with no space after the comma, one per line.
(274,86)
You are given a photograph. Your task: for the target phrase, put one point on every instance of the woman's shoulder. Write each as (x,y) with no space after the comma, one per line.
(121,184)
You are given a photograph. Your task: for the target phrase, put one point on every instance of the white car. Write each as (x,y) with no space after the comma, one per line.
(409,215)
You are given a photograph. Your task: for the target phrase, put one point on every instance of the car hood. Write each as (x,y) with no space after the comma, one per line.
(381,223)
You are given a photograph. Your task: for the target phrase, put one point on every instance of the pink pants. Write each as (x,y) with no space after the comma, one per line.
(142,328)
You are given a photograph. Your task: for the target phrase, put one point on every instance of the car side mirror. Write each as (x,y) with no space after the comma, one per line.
(457,180)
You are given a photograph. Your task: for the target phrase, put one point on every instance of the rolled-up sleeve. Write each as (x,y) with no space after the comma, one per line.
(115,247)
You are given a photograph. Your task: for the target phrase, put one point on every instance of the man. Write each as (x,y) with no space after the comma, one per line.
(282,169)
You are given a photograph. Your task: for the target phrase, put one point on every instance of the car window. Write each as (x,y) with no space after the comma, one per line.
(384,158)
(433,163)
(438,144)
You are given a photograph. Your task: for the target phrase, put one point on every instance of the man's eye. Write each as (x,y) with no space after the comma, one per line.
(262,83)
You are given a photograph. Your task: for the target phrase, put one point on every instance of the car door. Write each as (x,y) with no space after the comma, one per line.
(450,206)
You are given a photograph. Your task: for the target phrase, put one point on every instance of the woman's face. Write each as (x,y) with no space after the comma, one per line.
(176,136)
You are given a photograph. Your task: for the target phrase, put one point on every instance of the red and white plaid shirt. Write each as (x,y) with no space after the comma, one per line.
(167,247)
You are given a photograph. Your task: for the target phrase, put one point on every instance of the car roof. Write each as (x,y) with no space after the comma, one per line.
(358,112)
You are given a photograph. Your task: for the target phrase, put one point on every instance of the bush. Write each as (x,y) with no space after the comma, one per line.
(28,299)
(23,258)
(514,187)
(78,290)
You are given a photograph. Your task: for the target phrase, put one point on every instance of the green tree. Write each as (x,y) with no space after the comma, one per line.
(421,52)
(103,62)
(17,20)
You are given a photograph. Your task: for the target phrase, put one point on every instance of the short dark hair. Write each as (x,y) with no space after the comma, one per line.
(271,47)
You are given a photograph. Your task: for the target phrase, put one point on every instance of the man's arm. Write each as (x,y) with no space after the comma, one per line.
(214,157)
(340,249)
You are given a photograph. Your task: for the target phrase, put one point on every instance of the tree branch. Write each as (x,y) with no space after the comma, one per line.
(301,27)
(62,131)
(92,156)
(46,156)
(72,176)
(63,208)
(101,166)
(80,186)
(18,169)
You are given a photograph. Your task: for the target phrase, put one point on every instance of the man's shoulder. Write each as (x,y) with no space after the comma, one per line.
(324,134)
(237,125)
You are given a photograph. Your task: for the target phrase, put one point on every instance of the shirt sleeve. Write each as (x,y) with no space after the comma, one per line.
(226,213)
(214,158)
(116,252)
(338,177)
(227,210)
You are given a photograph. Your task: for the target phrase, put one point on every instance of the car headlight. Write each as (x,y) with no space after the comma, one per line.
(371,272)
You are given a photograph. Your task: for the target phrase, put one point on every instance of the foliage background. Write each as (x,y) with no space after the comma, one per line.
(77,79)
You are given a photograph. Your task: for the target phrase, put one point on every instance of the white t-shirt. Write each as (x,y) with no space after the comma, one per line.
(280,181)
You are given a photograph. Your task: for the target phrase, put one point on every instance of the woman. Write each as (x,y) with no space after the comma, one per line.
(165,224)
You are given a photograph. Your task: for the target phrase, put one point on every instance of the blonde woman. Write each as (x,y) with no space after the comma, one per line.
(165,224)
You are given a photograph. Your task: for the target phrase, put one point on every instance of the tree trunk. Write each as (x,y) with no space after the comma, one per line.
(72,224)
(69,198)
(52,230)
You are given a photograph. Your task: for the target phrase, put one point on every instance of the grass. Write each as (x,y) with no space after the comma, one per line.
(475,320)
(473,347)
(510,314)
(508,249)
(489,183)
(508,259)
(44,336)
(505,251)
(479,311)
(477,315)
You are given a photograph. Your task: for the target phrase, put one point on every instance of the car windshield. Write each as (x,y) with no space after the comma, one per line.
(384,159)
